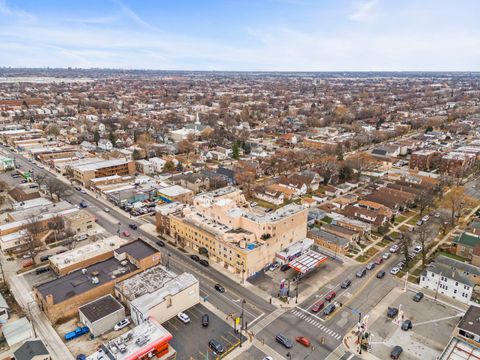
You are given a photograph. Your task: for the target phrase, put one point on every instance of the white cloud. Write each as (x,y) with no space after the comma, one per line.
(365,10)
(11,12)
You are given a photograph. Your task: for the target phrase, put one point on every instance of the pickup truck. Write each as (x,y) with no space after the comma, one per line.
(76,333)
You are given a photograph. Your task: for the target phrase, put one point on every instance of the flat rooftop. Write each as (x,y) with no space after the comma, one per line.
(174,190)
(135,343)
(101,164)
(152,286)
(138,249)
(51,208)
(100,308)
(88,251)
(79,281)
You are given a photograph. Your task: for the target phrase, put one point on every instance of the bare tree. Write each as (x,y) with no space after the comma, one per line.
(327,168)
(422,238)
(34,228)
(424,199)
(455,200)
(405,244)
(56,224)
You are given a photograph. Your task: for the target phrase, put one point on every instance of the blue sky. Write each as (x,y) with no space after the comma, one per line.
(262,35)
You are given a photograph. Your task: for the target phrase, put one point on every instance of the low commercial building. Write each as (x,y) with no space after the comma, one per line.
(80,222)
(85,172)
(145,341)
(158,293)
(101,315)
(175,193)
(61,297)
(85,256)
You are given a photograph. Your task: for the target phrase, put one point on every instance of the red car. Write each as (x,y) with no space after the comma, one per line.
(303,340)
(126,234)
(318,306)
(330,296)
(379,261)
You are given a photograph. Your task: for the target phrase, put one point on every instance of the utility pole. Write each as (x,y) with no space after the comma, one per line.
(296,291)
(360,333)
(241,326)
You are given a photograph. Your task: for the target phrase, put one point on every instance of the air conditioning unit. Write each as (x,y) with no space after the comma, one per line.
(95,280)
(84,271)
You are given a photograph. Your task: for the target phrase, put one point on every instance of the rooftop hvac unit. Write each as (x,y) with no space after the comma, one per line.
(95,280)
(84,271)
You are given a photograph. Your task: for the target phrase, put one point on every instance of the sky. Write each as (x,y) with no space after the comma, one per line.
(242,35)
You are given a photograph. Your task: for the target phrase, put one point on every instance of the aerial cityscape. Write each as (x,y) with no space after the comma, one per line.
(240,180)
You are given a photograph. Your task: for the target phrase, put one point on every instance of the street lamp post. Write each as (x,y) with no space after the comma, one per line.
(296,291)
(241,326)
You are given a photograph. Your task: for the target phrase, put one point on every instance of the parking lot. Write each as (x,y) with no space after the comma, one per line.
(432,323)
(191,340)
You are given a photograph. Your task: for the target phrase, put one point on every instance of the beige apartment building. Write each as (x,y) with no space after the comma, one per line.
(241,239)
(84,173)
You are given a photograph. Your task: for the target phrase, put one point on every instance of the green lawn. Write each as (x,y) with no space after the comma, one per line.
(399,219)
(327,220)
(414,219)
(404,228)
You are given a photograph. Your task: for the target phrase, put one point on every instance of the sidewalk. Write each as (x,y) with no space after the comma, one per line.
(44,330)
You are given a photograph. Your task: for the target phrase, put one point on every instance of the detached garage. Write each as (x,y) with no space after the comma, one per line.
(102,314)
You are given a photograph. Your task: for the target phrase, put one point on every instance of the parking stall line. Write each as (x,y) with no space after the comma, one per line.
(191,313)
(193,309)
(228,341)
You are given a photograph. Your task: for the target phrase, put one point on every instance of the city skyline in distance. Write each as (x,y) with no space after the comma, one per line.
(272,35)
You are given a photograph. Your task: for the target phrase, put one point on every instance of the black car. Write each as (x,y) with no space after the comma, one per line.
(282,339)
(42,270)
(407,325)
(345,283)
(204,263)
(361,273)
(380,274)
(44,258)
(418,296)
(396,351)
(194,258)
(392,312)
(205,320)
(160,243)
(219,288)
(284,267)
(329,309)
(216,346)
(133,226)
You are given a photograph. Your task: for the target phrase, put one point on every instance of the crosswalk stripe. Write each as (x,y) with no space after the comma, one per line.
(329,332)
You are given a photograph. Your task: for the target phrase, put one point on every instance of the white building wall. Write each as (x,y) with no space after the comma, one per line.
(447,287)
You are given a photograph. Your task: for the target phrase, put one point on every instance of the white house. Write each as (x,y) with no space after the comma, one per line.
(450,278)
(157,164)
(105,145)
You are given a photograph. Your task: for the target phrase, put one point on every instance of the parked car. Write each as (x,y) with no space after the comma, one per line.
(194,257)
(183,318)
(204,263)
(83,191)
(42,270)
(395,270)
(371,266)
(329,309)
(133,226)
(380,274)
(345,283)
(318,306)
(160,243)
(44,258)
(394,248)
(216,346)
(121,324)
(386,256)
(76,333)
(282,339)
(425,218)
(418,296)
(219,288)
(419,222)
(303,340)
(407,325)
(205,320)
(274,266)
(107,210)
(417,249)
(392,312)
(83,204)
(284,267)
(396,352)
(361,273)
(126,233)
(379,261)
(388,237)
(330,296)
